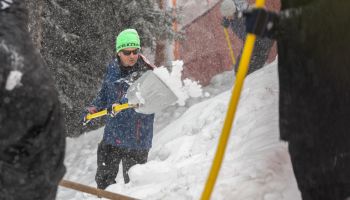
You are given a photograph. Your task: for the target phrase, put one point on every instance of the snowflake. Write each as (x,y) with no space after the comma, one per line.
(5,4)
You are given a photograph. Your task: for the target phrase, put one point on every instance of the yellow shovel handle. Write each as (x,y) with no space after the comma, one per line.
(227,36)
(220,151)
(115,109)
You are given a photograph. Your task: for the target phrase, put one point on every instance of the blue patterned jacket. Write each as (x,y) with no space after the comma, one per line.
(128,129)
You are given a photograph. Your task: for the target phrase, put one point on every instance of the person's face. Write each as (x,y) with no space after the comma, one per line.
(129,56)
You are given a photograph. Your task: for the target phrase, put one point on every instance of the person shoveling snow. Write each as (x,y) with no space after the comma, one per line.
(129,126)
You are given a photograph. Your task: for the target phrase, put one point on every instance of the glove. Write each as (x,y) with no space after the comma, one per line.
(89,110)
(92,109)
(260,22)
(225,22)
(123,100)
(110,110)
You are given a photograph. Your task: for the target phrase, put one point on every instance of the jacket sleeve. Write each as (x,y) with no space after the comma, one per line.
(238,26)
(100,100)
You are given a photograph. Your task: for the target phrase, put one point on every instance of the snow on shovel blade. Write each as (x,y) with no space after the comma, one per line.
(151,93)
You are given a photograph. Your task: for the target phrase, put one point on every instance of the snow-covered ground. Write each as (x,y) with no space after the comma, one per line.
(256,165)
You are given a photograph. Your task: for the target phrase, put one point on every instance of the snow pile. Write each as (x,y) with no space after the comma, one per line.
(183,89)
(256,164)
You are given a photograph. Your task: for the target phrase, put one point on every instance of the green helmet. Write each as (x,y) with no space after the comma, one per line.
(126,39)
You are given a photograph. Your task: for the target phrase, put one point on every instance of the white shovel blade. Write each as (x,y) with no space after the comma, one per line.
(151,93)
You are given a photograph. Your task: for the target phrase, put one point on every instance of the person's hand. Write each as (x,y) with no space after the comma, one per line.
(123,100)
(111,112)
(260,22)
(92,109)
(225,22)
(88,110)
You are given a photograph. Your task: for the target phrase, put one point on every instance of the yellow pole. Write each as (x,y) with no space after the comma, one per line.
(229,46)
(220,151)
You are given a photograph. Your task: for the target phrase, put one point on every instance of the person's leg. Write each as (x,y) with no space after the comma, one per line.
(342,192)
(108,159)
(318,174)
(298,164)
(342,173)
(327,192)
(131,158)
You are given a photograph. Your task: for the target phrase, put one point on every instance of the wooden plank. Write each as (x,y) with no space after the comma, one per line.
(94,191)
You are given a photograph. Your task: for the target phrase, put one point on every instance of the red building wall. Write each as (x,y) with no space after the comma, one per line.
(205,51)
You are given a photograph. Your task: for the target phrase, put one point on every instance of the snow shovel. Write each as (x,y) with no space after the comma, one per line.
(148,94)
